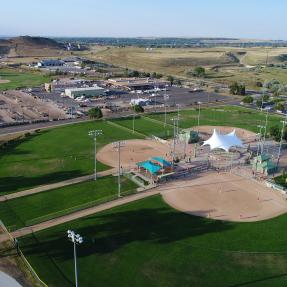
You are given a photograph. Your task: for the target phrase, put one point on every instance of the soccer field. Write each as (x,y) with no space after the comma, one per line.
(147,243)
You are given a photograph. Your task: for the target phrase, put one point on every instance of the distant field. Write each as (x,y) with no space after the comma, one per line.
(29,210)
(21,79)
(54,155)
(180,61)
(147,243)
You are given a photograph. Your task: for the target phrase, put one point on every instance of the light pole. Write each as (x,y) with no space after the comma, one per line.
(76,239)
(94,134)
(198,118)
(178,106)
(166,97)
(133,123)
(280,146)
(118,146)
(174,136)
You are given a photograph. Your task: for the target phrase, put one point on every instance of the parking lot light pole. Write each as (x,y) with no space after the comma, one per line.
(95,134)
(118,145)
(76,239)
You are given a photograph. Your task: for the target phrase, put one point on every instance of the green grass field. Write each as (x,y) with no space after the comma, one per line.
(221,116)
(54,155)
(29,210)
(21,79)
(147,243)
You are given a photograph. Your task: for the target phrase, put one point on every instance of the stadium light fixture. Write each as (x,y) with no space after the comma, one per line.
(94,134)
(76,239)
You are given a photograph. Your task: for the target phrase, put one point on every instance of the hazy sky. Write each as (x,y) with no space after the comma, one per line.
(265,19)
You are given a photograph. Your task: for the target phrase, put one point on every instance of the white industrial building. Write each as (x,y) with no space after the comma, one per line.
(88,92)
(50,63)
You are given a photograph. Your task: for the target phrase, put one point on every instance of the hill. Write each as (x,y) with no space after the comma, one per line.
(30,46)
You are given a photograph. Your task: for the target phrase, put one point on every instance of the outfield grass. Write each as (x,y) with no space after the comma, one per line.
(21,79)
(222,116)
(54,155)
(147,243)
(146,127)
(29,210)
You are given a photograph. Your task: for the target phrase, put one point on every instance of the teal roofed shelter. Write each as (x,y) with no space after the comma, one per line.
(150,167)
(162,161)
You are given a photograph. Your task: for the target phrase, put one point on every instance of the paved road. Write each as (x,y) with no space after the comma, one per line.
(55,185)
(82,213)
(45,125)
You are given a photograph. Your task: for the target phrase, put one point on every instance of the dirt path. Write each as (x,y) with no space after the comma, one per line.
(55,185)
(83,213)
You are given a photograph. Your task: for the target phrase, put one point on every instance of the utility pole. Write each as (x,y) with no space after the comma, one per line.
(118,146)
(95,134)
(280,145)
(76,239)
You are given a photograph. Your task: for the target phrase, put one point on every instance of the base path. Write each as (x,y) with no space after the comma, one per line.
(83,213)
(133,151)
(56,185)
(224,196)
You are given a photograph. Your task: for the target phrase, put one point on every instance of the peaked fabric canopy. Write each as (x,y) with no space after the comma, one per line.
(221,141)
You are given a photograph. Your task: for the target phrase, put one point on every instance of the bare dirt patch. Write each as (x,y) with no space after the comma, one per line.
(4,81)
(132,152)
(224,196)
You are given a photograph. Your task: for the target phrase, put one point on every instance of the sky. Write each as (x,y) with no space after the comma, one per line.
(253,19)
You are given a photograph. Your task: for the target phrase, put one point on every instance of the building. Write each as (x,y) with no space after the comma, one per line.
(50,63)
(263,164)
(133,84)
(88,92)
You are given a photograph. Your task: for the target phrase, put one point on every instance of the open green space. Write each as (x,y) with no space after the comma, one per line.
(146,127)
(147,243)
(54,155)
(21,79)
(29,210)
(222,116)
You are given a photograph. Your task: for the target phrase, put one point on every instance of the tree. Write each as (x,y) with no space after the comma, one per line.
(237,89)
(259,103)
(265,98)
(178,82)
(247,100)
(280,107)
(170,79)
(275,133)
(95,113)
(199,72)
(138,109)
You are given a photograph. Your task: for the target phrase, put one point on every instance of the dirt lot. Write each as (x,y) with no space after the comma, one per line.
(132,152)
(17,106)
(224,196)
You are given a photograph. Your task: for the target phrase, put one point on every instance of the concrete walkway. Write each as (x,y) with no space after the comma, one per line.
(83,213)
(56,185)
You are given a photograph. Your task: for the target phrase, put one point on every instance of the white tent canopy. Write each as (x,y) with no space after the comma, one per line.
(224,142)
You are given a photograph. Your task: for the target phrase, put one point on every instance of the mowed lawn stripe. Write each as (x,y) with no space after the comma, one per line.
(43,206)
